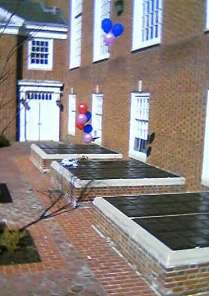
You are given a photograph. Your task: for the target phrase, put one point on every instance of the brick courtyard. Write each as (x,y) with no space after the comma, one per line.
(76,258)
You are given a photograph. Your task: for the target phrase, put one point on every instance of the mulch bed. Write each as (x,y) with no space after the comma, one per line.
(26,251)
(5,196)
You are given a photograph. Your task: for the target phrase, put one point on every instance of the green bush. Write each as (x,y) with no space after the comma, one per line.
(4,142)
(10,239)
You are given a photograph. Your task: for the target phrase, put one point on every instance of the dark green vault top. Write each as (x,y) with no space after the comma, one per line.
(117,169)
(180,221)
(61,148)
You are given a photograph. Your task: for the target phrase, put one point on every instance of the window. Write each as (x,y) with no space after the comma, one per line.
(97,102)
(147,21)
(40,54)
(139,120)
(205,166)
(75,33)
(71,114)
(39,95)
(101,11)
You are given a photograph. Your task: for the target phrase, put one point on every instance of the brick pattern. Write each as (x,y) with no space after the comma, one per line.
(185,280)
(62,270)
(58,181)
(111,270)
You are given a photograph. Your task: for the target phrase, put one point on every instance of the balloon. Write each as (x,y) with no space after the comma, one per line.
(83,108)
(87,138)
(106,25)
(117,29)
(109,39)
(88,115)
(79,125)
(81,118)
(87,128)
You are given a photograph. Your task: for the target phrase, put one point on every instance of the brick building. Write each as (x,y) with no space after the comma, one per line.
(159,65)
(166,71)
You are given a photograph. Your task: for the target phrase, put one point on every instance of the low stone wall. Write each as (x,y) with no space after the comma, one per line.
(43,165)
(176,281)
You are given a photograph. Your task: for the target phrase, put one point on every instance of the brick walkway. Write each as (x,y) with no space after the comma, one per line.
(76,260)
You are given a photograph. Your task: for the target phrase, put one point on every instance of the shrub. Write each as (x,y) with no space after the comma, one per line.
(10,239)
(4,142)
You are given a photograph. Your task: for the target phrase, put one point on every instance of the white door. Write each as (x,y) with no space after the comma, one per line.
(97,102)
(41,120)
(205,165)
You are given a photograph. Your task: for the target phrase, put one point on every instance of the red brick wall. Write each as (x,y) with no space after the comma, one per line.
(175,73)
(8,56)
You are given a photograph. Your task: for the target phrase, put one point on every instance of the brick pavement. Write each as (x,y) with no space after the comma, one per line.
(76,259)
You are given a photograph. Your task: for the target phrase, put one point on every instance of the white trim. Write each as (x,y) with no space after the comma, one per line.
(45,67)
(38,83)
(46,31)
(167,257)
(6,15)
(95,117)
(205,164)
(115,182)
(44,155)
(50,35)
(47,28)
(207,15)
(133,153)
(137,40)
(15,30)
(10,30)
(71,114)
(100,51)
(75,36)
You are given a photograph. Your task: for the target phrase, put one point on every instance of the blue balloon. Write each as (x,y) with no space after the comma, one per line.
(106,25)
(87,128)
(88,115)
(117,29)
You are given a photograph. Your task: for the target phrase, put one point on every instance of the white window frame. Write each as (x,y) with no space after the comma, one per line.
(137,38)
(207,15)
(71,114)
(141,115)
(97,113)
(75,33)
(49,66)
(100,50)
(205,164)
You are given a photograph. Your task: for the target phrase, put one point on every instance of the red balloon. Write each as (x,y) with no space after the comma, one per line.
(83,108)
(79,125)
